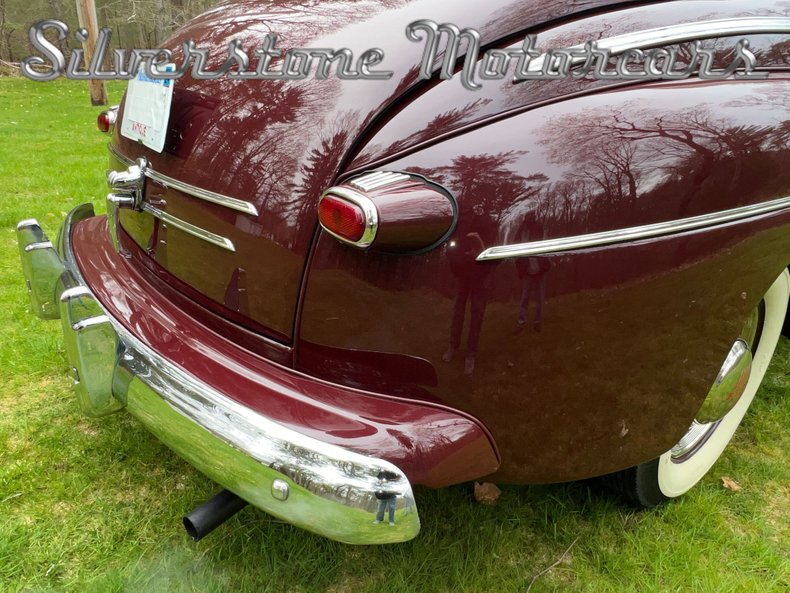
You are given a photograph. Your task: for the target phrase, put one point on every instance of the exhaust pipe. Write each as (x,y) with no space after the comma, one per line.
(212,513)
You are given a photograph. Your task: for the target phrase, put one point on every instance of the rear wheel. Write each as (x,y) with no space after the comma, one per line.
(676,471)
(786,330)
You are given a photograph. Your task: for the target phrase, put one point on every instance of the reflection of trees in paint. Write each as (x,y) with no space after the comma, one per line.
(624,158)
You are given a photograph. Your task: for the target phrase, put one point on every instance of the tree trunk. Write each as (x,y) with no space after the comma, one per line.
(86,12)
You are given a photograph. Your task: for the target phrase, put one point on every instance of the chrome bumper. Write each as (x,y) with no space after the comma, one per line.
(319,487)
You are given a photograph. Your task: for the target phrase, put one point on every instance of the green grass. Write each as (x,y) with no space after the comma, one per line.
(95,505)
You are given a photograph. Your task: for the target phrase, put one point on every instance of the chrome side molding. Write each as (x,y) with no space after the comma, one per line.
(650,231)
(191,190)
(681,33)
(128,189)
(190,229)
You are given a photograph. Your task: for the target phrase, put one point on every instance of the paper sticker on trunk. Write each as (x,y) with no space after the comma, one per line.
(147,110)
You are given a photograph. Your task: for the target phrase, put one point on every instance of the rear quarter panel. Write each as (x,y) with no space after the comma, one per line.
(630,337)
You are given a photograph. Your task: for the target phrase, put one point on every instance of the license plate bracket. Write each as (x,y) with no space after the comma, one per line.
(147,110)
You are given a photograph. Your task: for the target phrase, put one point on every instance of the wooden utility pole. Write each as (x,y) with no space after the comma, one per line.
(86,12)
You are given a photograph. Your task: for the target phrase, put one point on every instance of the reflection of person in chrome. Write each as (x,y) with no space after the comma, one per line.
(472,288)
(387,498)
(532,273)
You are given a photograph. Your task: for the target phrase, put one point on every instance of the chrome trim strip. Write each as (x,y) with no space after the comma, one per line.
(27,223)
(377,180)
(191,229)
(672,34)
(650,231)
(191,190)
(37,246)
(90,322)
(74,293)
(117,154)
(368,207)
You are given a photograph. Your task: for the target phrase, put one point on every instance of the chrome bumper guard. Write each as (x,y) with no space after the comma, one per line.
(314,485)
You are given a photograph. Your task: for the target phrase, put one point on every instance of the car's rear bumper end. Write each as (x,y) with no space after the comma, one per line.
(321,487)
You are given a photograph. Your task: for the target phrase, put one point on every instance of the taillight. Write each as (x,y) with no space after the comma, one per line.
(348,216)
(389,211)
(106,120)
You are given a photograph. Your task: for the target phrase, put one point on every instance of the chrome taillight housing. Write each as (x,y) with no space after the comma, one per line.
(349,216)
(388,211)
(106,120)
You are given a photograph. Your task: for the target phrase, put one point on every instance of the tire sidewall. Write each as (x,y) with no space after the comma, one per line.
(673,478)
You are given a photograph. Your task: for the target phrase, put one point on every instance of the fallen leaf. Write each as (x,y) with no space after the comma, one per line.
(486,493)
(730,484)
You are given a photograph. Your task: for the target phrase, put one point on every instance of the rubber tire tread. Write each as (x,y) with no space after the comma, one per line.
(638,485)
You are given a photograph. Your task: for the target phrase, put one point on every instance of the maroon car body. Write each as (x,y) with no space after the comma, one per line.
(430,359)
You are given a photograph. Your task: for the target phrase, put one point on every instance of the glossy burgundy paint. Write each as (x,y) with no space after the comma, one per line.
(228,322)
(280,144)
(611,367)
(618,347)
(431,444)
(442,110)
(627,345)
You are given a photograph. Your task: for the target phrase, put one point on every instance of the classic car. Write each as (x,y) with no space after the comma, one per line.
(322,292)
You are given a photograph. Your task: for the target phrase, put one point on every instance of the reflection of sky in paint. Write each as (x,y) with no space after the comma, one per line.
(541,135)
(503,95)
(536,160)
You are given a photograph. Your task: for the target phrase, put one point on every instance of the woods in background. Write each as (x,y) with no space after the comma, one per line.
(134,23)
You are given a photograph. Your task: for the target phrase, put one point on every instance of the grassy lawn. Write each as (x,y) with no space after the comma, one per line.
(96,505)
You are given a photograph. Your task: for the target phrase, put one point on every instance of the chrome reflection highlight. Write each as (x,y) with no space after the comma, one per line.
(729,384)
(377,180)
(674,34)
(191,190)
(128,192)
(280,490)
(662,229)
(190,229)
(318,486)
(128,186)
(725,392)
(42,268)
(37,246)
(91,345)
(696,435)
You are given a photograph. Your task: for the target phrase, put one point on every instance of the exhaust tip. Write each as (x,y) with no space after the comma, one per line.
(192,531)
(211,514)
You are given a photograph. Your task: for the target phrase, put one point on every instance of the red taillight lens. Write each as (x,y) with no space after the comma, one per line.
(105,121)
(342,218)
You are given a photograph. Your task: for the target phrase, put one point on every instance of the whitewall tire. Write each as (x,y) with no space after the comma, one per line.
(671,475)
